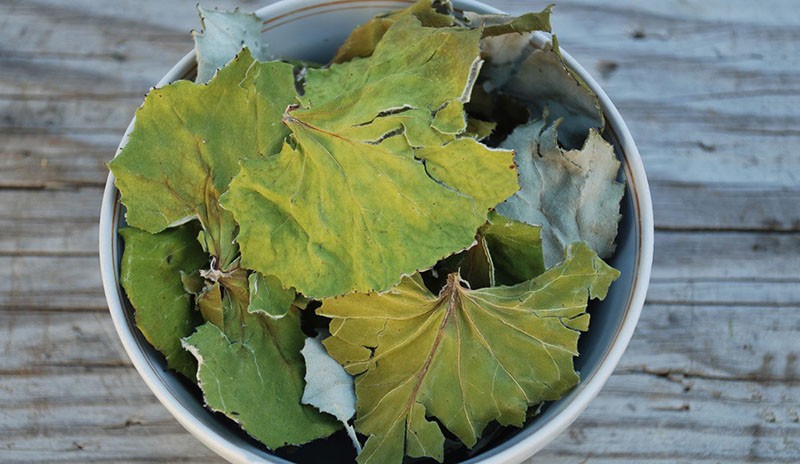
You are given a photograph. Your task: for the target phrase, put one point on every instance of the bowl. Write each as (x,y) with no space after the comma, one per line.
(316,28)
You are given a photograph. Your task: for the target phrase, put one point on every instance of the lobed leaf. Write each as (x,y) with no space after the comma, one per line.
(466,357)
(188,140)
(367,189)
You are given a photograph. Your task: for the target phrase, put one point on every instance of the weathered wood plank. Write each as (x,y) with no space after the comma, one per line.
(55,342)
(645,418)
(51,282)
(52,161)
(749,343)
(49,222)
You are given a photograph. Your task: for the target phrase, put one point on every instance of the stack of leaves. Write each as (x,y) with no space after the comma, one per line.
(376,200)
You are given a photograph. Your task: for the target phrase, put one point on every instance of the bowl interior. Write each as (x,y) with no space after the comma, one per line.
(311,30)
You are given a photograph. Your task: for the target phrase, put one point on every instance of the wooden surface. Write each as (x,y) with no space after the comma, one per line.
(711,91)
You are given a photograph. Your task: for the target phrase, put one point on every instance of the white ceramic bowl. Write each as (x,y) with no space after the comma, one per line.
(312,29)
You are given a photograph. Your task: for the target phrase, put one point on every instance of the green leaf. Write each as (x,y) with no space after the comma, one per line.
(479,129)
(512,60)
(506,252)
(329,387)
(437,13)
(268,297)
(473,265)
(150,273)
(515,249)
(362,41)
(572,194)
(187,143)
(209,302)
(465,357)
(223,36)
(495,25)
(251,370)
(367,190)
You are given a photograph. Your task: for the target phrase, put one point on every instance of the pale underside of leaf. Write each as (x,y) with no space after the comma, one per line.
(572,194)
(466,357)
(223,36)
(539,78)
(329,387)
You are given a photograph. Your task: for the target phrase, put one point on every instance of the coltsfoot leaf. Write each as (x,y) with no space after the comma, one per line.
(150,273)
(465,357)
(572,194)
(367,190)
(187,143)
(223,36)
(252,371)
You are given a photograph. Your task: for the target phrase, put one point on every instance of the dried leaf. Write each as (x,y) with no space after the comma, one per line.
(187,143)
(362,41)
(572,194)
(223,36)
(506,252)
(540,79)
(150,273)
(515,248)
(268,297)
(494,24)
(329,387)
(251,370)
(367,189)
(465,357)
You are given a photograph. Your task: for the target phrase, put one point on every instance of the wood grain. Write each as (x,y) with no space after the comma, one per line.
(710,90)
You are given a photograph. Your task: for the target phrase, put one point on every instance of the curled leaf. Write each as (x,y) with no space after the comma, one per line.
(223,36)
(268,297)
(495,25)
(539,78)
(506,252)
(362,41)
(572,194)
(329,387)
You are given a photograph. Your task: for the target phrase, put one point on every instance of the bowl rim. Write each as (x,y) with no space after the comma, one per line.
(506,453)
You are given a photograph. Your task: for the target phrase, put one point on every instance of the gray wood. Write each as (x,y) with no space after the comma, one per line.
(710,90)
